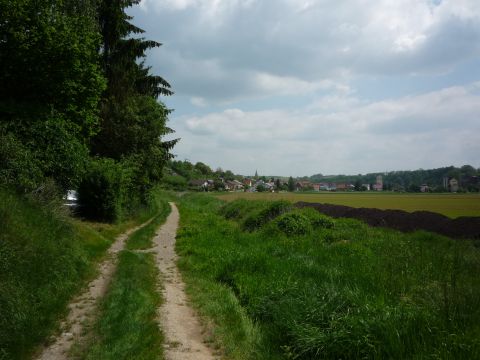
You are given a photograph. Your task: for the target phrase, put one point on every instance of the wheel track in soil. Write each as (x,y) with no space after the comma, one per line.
(83,307)
(184,338)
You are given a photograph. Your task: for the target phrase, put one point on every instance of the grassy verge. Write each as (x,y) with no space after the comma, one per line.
(45,258)
(126,327)
(298,285)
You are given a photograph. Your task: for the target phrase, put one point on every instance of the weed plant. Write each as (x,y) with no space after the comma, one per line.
(342,290)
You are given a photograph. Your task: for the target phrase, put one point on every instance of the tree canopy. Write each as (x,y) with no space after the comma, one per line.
(75,88)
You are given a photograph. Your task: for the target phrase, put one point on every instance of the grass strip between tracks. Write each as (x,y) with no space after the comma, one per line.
(126,327)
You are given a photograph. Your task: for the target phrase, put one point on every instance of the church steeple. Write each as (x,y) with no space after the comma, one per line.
(256,175)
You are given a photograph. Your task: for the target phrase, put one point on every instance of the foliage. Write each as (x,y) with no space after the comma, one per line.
(294,223)
(133,122)
(317,219)
(174,182)
(178,174)
(19,168)
(468,177)
(302,221)
(261,188)
(347,292)
(51,83)
(104,194)
(291,184)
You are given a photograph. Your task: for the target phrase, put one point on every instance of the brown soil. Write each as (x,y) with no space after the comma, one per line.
(462,227)
(183,332)
(82,308)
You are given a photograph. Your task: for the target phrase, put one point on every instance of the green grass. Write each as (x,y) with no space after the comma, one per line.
(126,327)
(333,289)
(46,257)
(451,205)
(142,238)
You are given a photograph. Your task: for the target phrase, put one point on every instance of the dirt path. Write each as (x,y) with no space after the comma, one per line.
(183,333)
(82,307)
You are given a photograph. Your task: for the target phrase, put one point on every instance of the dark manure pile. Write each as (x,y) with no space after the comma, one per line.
(462,227)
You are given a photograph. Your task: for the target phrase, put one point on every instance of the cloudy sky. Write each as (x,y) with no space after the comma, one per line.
(299,87)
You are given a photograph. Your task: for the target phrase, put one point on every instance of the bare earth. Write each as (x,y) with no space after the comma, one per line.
(82,308)
(183,333)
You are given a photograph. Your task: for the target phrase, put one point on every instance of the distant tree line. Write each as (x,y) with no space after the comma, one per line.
(467,176)
(178,175)
(78,106)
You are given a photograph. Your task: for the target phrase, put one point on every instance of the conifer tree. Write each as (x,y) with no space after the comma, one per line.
(132,120)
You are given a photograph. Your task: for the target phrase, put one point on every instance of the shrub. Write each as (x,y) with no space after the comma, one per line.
(175,182)
(17,165)
(260,217)
(318,220)
(294,224)
(105,190)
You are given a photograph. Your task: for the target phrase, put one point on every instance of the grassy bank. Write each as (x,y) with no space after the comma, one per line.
(45,258)
(126,327)
(292,284)
(451,205)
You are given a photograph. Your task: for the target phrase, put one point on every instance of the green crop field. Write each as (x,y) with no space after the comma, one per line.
(451,205)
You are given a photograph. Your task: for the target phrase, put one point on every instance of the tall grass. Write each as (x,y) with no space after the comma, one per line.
(45,258)
(340,289)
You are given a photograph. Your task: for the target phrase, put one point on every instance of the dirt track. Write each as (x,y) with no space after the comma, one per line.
(82,307)
(462,227)
(183,333)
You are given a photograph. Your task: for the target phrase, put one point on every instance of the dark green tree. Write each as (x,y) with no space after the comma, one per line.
(51,83)
(358,185)
(128,80)
(291,184)
(203,168)
(133,122)
(261,188)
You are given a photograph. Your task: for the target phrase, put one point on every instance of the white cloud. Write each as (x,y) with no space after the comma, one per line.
(241,67)
(199,101)
(433,129)
(252,47)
